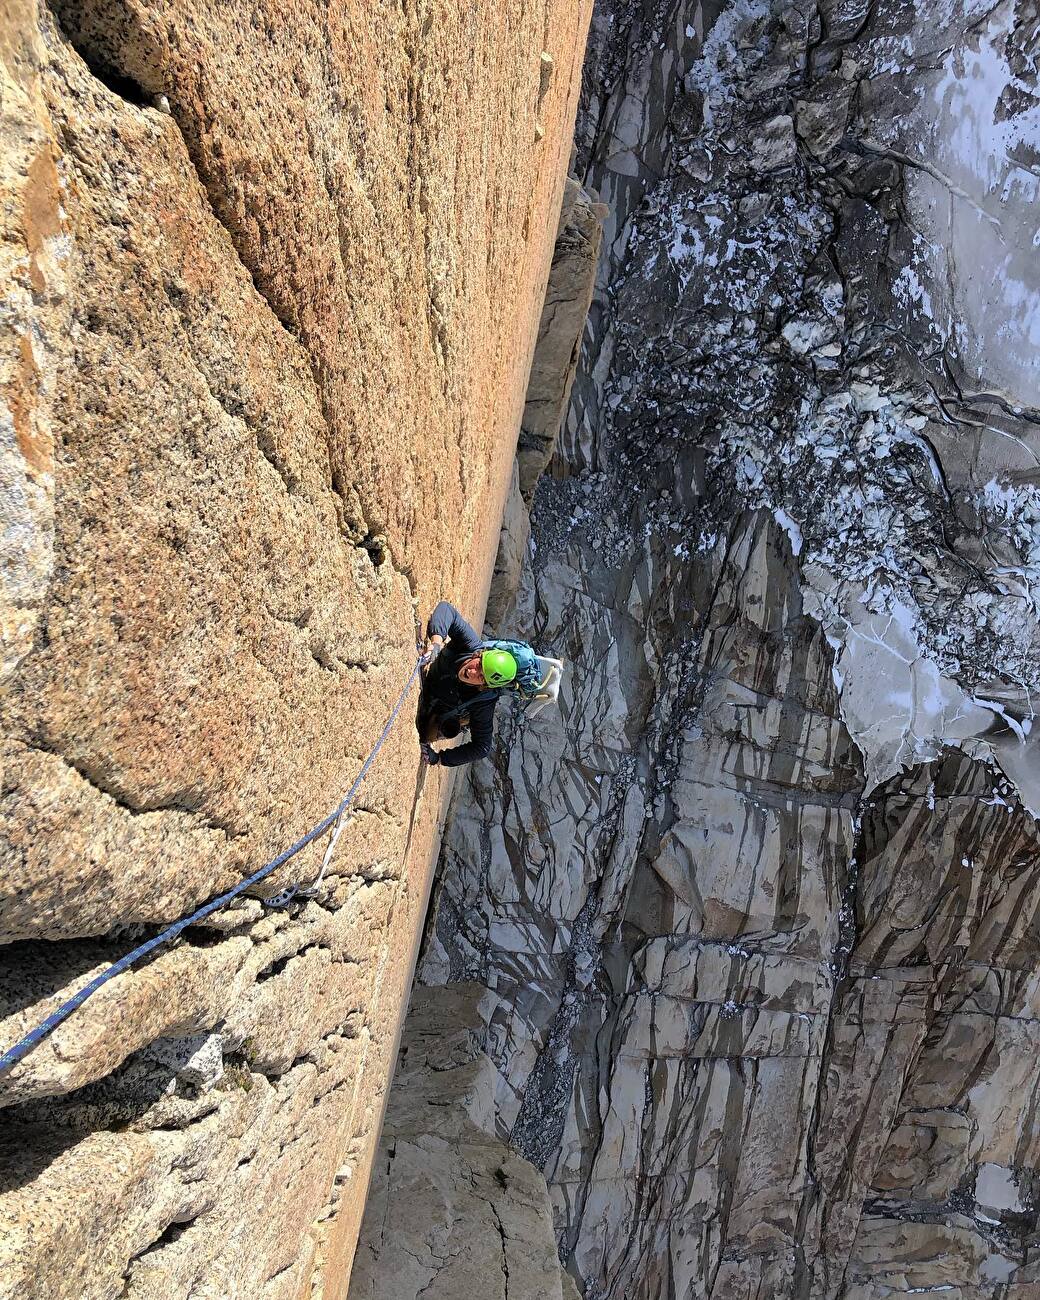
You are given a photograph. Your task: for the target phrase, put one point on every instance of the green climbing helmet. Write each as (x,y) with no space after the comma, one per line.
(498,667)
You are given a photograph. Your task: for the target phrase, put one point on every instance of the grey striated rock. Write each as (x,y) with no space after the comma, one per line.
(759,905)
(452,1213)
(567,297)
(512,547)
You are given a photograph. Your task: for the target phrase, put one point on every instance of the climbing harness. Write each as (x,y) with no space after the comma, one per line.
(335,819)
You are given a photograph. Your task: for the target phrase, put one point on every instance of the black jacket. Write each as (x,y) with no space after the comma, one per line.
(444,694)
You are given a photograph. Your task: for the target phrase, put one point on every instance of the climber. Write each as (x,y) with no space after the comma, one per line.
(463,681)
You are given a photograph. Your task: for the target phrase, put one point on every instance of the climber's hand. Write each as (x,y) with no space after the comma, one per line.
(434,646)
(429,756)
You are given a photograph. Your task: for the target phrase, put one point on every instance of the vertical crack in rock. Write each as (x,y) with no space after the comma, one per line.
(117,42)
(505,1257)
(104,784)
(101,57)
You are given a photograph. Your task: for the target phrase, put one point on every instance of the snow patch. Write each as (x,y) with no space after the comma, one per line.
(859,492)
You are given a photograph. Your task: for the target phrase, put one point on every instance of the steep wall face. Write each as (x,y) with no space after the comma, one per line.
(275,275)
(452,1211)
(760,907)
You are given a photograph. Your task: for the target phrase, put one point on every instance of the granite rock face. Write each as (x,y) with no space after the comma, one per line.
(568,297)
(273,275)
(760,907)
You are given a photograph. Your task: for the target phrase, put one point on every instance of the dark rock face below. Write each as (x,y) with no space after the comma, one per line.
(761,905)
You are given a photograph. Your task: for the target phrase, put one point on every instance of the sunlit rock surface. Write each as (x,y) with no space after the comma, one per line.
(272,278)
(761,906)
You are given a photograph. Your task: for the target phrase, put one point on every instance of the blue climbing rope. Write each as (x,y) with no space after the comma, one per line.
(35,1036)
